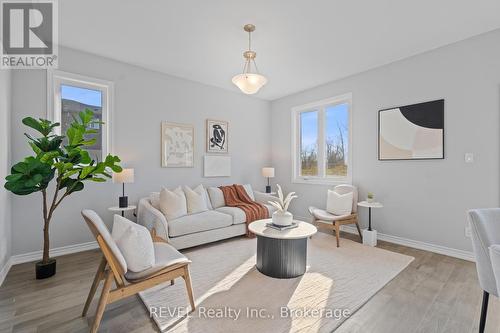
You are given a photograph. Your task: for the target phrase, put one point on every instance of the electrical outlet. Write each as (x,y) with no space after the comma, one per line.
(469,158)
(467,231)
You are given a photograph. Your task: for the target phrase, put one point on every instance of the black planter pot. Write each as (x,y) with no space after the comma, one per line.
(47,270)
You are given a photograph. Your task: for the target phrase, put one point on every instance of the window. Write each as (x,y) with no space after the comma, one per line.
(321,140)
(71,93)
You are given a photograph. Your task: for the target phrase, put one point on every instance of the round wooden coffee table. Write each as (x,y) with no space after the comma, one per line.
(282,254)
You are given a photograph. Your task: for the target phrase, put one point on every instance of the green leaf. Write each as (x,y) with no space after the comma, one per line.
(86,171)
(28,176)
(85,157)
(86,116)
(90,142)
(35,124)
(35,148)
(98,179)
(77,186)
(49,156)
(70,173)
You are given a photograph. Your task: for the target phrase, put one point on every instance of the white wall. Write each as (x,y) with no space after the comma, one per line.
(424,200)
(5,202)
(143,99)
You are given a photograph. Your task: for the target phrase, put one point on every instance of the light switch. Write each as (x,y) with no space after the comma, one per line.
(469,158)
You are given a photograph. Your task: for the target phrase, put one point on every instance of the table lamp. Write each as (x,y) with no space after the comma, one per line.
(125,176)
(268,173)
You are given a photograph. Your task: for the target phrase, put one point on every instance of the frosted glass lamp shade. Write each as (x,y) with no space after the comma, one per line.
(249,83)
(126,176)
(268,172)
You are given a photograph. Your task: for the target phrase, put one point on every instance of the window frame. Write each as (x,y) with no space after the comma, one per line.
(56,78)
(320,106)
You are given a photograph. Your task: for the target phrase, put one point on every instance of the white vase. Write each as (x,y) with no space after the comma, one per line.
(282,218)
(370,200)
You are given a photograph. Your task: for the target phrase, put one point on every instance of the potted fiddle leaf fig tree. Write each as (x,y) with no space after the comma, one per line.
(62,161)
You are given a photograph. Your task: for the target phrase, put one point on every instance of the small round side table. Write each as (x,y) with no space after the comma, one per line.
(369,235)
(122,209)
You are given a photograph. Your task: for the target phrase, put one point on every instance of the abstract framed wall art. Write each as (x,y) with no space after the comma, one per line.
(412,132)
(177,145)
(217,136)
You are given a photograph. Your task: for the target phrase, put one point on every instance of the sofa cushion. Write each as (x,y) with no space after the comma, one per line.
(248,189)
(270,208)
(173,203)
(216,197)
(154,199)
(207,198)
(198,222)
(195,198)
(237,214)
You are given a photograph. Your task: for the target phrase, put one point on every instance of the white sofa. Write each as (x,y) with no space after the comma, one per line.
(218,222)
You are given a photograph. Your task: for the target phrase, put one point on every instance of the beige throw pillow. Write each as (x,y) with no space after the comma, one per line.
(195,199)
(173,203)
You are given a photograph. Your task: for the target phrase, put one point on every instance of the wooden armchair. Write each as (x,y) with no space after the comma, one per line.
(321,216)
(170,264)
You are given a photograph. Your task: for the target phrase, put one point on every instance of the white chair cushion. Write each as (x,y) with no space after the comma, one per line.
(216,197)
(154,199)
(339,204)
(194,223)
(173,203)
(323,215)
(165,255)
(134,242)
(195,199)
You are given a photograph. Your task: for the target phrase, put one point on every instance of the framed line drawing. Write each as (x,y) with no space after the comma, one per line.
(177,145)
(217,136)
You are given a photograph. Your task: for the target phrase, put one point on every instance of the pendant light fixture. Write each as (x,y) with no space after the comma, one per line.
(249,81)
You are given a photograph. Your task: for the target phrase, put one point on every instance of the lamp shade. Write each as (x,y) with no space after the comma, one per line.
(268,172)
(249,83)
(126,176)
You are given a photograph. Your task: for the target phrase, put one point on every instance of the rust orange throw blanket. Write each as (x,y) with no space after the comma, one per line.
(236,196)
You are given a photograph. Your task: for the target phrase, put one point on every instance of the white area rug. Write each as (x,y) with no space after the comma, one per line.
(233,296)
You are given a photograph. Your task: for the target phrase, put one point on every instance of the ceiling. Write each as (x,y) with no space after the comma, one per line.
(299,44)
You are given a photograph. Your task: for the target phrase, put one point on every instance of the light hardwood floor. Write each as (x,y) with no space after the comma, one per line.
(435,293)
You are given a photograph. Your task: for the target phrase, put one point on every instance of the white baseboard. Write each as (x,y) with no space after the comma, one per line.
(5,270)
(447,251)
(37,255)
(55,252)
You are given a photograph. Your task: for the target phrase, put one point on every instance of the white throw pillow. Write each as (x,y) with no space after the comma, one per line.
(154,199)
(173,203)
(248,189)
(195,199)
(339,204)
(216,197)
(134,242)
(207,199)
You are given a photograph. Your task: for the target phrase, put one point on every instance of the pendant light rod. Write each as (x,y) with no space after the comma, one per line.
(249,82)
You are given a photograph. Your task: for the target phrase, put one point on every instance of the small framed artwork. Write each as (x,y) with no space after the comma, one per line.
(412,132)
(177,145)
(216,166)
(217,136)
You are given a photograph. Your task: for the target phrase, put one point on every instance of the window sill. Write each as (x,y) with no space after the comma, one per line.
(322,181)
